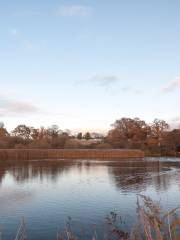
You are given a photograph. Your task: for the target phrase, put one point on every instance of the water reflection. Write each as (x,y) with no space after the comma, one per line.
(46,192)
(127,175)
(139,175)
(22,171)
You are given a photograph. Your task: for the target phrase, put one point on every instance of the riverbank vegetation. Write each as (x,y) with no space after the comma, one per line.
(126,133)
(152,224)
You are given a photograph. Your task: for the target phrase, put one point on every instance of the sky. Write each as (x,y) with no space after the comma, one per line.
(84,64)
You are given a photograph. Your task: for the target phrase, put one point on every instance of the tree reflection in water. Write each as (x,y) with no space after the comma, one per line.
(25,170)
(137,175)
(127,174)
(45,192)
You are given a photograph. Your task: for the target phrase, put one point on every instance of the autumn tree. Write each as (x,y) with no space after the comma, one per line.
(3,131)
(53,131)
(117,139)
(34,133)
(134,131)
(87,136)
(157,129)
(170,141)
(42,133)
(60,141)
(79,136)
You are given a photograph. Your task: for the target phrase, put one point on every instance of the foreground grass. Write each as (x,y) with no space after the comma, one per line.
(152,224)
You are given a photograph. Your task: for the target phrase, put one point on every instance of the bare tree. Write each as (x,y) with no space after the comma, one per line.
(53,131)
(157,129)
(22,131)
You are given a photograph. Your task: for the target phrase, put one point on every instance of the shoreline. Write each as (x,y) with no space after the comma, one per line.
(42,154)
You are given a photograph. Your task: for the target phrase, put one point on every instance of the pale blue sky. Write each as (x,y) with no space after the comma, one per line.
(83,64)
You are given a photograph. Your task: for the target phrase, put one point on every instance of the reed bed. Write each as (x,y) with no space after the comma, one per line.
(32,154)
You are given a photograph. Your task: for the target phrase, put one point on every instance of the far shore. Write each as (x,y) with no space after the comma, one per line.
(30,154)
(37,154)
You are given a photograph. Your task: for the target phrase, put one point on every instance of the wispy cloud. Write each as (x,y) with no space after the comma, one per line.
(13,107)
(126,89)
(74,10)
(172,85)
(104,81)
(111,82)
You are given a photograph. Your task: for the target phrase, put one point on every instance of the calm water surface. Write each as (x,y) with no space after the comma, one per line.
(46,192)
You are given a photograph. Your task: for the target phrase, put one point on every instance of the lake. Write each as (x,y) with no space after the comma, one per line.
(47,192)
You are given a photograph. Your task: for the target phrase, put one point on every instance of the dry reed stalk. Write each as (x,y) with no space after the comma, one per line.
(21,233)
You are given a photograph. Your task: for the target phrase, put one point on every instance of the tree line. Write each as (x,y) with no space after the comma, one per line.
(125,133)
(136,133)
(29,137)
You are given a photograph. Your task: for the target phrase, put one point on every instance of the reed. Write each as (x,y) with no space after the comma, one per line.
(32,154)
(152,224)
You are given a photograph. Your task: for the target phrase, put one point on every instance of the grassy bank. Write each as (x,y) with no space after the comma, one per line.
(30,154)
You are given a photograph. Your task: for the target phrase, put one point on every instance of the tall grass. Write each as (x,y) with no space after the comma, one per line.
(31,154)
(152,224)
